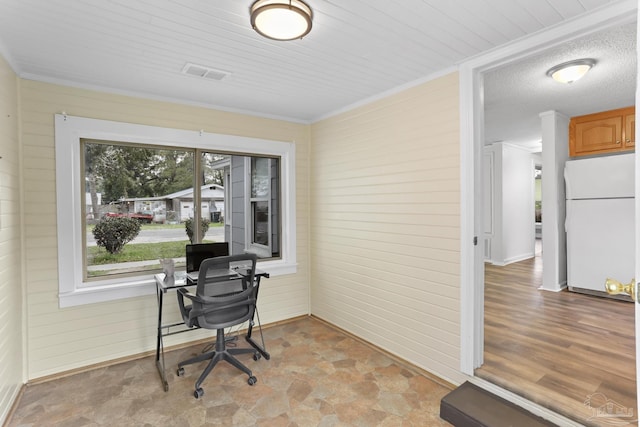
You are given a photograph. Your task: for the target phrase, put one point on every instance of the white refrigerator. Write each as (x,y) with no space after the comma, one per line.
(600,222)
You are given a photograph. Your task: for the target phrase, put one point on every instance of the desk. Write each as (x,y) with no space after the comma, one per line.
(178,281)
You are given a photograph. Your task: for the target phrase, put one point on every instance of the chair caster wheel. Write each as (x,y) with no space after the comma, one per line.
(180,372)
(256,356)
(252,380)
(198,393)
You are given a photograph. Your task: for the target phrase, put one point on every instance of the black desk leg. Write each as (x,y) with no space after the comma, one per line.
(159,344)
(260,349)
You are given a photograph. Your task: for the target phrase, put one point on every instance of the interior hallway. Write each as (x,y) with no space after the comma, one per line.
(317,376)
(566,351)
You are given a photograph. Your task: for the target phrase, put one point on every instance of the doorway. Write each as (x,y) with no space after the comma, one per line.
(473,130)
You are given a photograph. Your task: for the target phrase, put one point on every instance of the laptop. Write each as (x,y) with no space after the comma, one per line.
(198,252)
(192,277)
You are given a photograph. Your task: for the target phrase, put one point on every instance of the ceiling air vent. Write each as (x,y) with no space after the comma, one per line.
(204,72)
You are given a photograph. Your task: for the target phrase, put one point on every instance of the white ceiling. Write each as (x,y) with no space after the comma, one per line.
(517,93)
(357,50)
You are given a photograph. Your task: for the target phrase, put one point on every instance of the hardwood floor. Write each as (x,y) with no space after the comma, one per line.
(570,352)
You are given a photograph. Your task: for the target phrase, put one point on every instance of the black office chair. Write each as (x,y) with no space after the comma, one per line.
(223,298)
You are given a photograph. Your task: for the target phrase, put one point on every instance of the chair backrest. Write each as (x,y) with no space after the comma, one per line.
(227,298)
(198,252)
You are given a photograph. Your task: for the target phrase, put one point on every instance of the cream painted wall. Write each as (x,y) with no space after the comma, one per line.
(11,346)
(385,224)
(63,339)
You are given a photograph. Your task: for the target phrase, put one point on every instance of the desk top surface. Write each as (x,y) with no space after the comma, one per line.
(179,279)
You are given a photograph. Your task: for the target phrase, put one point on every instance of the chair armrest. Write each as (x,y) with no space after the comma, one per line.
(185,310)
(183,292)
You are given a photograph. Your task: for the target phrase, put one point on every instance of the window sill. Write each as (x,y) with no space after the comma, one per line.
(102,293)
(145,285)
(277,268)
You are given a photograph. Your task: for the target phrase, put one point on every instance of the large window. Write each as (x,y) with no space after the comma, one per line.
(141,205)
(129,195)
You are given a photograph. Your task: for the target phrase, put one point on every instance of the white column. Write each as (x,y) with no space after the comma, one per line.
(555,152)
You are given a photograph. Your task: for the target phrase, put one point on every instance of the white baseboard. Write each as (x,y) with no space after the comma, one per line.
(561,287)
(511,260)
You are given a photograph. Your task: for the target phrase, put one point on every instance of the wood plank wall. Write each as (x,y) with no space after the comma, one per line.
(385,215)
(11,353)
(64,339)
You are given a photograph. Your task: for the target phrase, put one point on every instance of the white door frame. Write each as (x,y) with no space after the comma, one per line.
(637,231)
(471,138)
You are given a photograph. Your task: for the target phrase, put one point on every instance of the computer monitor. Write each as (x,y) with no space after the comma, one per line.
(198,252)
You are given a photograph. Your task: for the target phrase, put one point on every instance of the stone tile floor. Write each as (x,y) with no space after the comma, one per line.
(317,376)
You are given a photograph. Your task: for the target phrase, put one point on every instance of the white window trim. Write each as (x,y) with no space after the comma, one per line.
(69,130)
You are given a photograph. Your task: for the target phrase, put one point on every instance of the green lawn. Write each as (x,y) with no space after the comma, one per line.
(137,252)
(142,251)
(162,226)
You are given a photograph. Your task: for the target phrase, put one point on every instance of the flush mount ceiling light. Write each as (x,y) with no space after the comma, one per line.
(281,19)
(569,72)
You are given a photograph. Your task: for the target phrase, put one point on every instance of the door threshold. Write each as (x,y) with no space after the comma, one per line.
(472,406)
(527,405)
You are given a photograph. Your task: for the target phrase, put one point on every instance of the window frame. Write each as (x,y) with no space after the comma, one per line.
(69,130)
(250,221)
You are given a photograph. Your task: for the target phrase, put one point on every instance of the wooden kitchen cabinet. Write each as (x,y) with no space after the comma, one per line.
(630,129)
(604,132)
